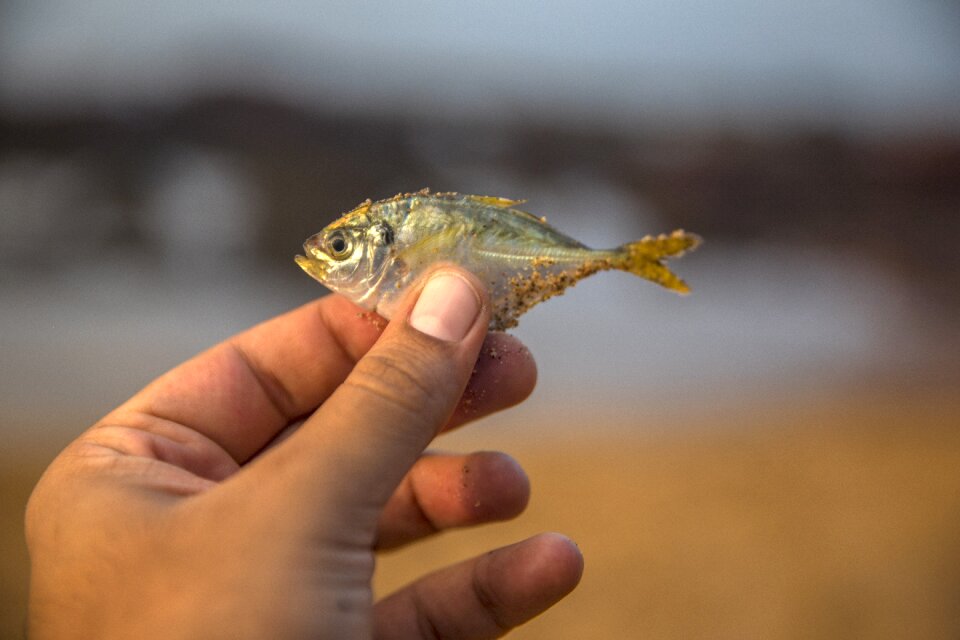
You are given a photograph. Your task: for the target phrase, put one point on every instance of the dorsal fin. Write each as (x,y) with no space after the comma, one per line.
(495,201)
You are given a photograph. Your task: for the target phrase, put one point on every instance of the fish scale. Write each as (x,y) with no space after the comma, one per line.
(375,252)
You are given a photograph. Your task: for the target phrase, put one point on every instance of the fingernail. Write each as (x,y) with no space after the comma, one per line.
(447,307)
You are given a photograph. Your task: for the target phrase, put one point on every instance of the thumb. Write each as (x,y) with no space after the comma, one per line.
(355,449)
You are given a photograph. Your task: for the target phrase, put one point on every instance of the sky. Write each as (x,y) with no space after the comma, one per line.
(864,63)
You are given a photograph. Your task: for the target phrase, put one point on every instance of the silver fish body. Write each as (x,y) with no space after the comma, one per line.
(373,253)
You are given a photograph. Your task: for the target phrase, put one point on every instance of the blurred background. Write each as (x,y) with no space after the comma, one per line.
(773,456)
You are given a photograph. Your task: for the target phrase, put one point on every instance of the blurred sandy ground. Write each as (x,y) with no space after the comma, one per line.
(796,517)
(832,520)
(773,456)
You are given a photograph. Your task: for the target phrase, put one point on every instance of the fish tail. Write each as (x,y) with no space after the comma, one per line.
(646,258)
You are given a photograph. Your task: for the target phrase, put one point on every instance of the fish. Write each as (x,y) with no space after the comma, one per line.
(375,252)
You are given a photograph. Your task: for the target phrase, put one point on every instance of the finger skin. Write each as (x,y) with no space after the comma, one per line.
(483,597)
(446,491)
(504,375)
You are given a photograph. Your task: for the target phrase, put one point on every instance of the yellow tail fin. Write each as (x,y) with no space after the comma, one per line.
(646,257)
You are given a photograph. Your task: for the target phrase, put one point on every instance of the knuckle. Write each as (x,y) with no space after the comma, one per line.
(491,607)
(399,376)
(427,626)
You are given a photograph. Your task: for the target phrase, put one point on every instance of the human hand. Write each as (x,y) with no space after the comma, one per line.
(194,510)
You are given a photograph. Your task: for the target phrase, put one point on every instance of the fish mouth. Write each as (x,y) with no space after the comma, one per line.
(317,269)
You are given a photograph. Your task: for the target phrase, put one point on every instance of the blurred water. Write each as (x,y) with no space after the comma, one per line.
(764,319)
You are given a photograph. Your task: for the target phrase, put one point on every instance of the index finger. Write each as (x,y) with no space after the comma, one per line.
(243,391)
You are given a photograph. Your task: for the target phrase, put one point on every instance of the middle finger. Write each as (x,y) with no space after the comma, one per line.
(443,491)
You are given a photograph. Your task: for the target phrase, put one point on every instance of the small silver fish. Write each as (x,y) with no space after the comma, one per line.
(374,252)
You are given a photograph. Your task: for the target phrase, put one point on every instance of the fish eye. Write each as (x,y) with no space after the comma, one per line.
(339,245)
